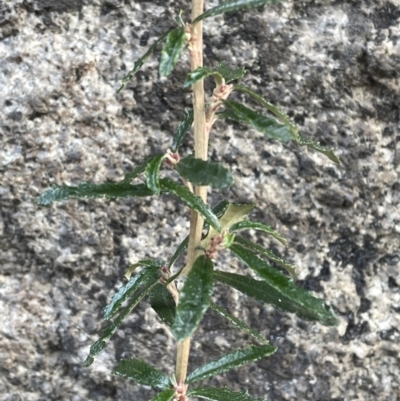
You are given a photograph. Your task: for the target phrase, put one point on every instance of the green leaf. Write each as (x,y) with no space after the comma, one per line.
(232,360)
(191,200)
(88,190)
(248,224)
(266,125)
(166,395)
(138,170)
(162,302)
(181,248)
(222,74)
(138,63)
(220,209)
(152,173)
(204,172)
(255,248)
(148,263)
(284,118)
(233,213)
(107,333)
(194,298)
(238,323)
(221,394)
(284,293)
(142,373)
(232,5)
(171,51)
(124,293)
(182,130)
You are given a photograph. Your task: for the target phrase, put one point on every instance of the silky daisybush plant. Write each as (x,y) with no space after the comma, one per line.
(212,229)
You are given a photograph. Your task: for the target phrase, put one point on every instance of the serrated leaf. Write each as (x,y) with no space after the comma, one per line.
(171,51)
(166,395)
(138,63)
(87,190)
(107,333)
(220,394)
(284,118)
(141,168)
(181,248)
(204,172)
(232,5)
(152,173)
(256,248)
(221,74)
(148,263)
(182,130)
(191,200)
(232,360)
(266,125)
(233,214)
(248,224)
(284,293)
(194,298)
(142,373)
(162,302)
(238,323)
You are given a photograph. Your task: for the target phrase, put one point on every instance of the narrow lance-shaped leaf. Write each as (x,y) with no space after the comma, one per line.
(220,394)
(266,125)
(248,224)
(151,264)
(181,248)
(163,304)
(141,168)
(107,333)
(182,130)
(191,200)
(171,51)
(152,173)
(284,118)
(284,293)
(238,323)
(204,172)
(222,74)
(138,63)
(88,190)
(194,298)
(232,5)
(166,395)
(232,360)
(142,373)
(256,248)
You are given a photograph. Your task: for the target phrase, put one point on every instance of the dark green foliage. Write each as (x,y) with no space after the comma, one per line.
(278,289)
(166,395)
(142,373)
(204,172)
(284,119)
(232,5)
(223,72)
(190,200)
(162,302)
(182,130)
(232,360)
(255,225)
(238,323)
(152,173)
(138,63)
(194,298)
(221,394)
(181,248)
(266,125)
(255,248)
(171,51)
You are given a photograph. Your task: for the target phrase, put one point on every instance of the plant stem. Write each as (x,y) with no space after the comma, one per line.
(201,152)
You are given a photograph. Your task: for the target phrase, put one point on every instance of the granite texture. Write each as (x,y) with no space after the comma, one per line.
(332,65)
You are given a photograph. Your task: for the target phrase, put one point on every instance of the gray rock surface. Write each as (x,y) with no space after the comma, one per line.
(332,65)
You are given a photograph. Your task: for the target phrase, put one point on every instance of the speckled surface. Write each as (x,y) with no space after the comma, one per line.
(333,66)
